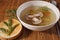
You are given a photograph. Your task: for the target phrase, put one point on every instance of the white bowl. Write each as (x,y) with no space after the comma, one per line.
(38,3)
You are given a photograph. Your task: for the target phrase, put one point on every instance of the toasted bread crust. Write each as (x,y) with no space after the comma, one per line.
(16,31)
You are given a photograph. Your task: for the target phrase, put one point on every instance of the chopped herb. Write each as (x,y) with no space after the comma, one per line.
(44,8)
(3,30)
(11,13)
(13,29)
(15,26)
(6,23)
(10,22)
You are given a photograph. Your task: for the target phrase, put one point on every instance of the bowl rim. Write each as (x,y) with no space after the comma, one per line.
(33,25)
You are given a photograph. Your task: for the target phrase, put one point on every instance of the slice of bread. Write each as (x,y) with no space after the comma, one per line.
(15,32)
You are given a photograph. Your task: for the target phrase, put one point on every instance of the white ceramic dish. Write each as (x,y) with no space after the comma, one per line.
(38,3)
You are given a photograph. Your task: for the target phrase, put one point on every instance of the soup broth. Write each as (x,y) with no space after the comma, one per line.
(38,16)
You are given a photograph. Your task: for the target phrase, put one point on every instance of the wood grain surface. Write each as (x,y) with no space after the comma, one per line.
(50,34)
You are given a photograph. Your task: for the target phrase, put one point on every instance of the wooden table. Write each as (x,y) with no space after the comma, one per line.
(50,34)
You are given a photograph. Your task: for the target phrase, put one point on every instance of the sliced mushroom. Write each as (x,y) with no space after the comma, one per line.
(36,21)
(39,14)
(26,16)
(30,16)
